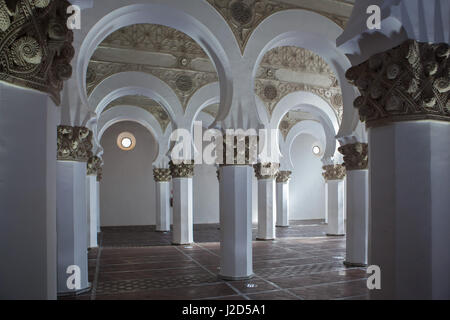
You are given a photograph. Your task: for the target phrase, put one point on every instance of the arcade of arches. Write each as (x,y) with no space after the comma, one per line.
(358,120)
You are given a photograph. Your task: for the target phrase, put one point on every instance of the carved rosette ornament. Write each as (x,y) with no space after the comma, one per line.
(334,172)
(283,176)
(356,156)
(161,175)
(74,143)
(94,165)
(408,82)
(183,169)
(35,45)
(267,170)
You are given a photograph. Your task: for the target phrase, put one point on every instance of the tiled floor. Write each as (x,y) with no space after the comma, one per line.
(138,263)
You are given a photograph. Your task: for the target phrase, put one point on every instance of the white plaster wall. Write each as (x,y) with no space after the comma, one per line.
(127,190)
(307,187)
(206,194)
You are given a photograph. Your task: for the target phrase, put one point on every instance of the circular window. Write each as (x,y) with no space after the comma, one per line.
(316,150)
(126,141)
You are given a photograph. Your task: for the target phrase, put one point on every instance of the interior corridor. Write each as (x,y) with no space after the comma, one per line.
(303,263)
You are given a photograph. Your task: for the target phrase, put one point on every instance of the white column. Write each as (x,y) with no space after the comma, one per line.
(334,195)
(409,209)
(97,185)
(71,223)
(357,217)
(266,209)
(236,222)
(182,211)
(283,204)
(92,198)
(163,205)
(27,194)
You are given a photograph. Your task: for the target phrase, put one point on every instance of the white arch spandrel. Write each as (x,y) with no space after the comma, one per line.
(201,99)
(312,31)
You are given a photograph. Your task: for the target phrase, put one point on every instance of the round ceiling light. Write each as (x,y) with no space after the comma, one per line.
(126,141)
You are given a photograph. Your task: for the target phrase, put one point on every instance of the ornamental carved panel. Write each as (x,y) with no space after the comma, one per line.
(35,45)
(266,170)
(334,172)
(94,166)
(408,82)
(184,169)
(356,156)
(283,176)
(162,175)
(74,143)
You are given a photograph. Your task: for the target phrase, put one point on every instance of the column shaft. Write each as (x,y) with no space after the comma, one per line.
(266,209)
(27,194)
(282,204)
(182,211)
(236,222)
(71,223)
(92,198)
(334,194)
(162,206)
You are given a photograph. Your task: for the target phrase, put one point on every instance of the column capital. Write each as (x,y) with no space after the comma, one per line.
(36,45)
(162,174)
(266,170)
(356,156)
(94,165)
(283,176)
(184,169)
(408,82)
(334,172)
(74,143)
(239,149)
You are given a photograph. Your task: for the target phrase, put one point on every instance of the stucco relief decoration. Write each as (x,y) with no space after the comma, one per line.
(35,45)
(74,143)
(356,156)
(267,170)
(408,82)
(334,172)
(239,150)
(184,169)
(272,88)
(243,16)
(283,176)
(162,175)
(94,166)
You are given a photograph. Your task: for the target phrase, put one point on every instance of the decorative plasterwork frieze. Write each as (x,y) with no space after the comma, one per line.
(74,143)
(356,156)
(155,38)
(145,103)
(94,166)
(184,169)
(183,82)
(162,175)
(35,45)
(267,170)
(334,172)
(243,16)
(408,82)
(283,176)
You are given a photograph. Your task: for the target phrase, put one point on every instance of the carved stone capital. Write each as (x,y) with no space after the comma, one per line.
(266,170)
(161,175)
(356,156)
(334,172)
(184,169)
(74,143)
(94,165)
(408,82)
(100,174)
(35,45)
(283,176)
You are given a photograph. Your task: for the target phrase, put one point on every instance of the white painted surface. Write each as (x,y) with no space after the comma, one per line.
(92,199)
(357,216)
(282,204)
(27,194)
(267,209)
(72,222)
(206,194)
(162,206)
(306,191)
(236,222)
(409,209)
(183,232)
(335,206)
